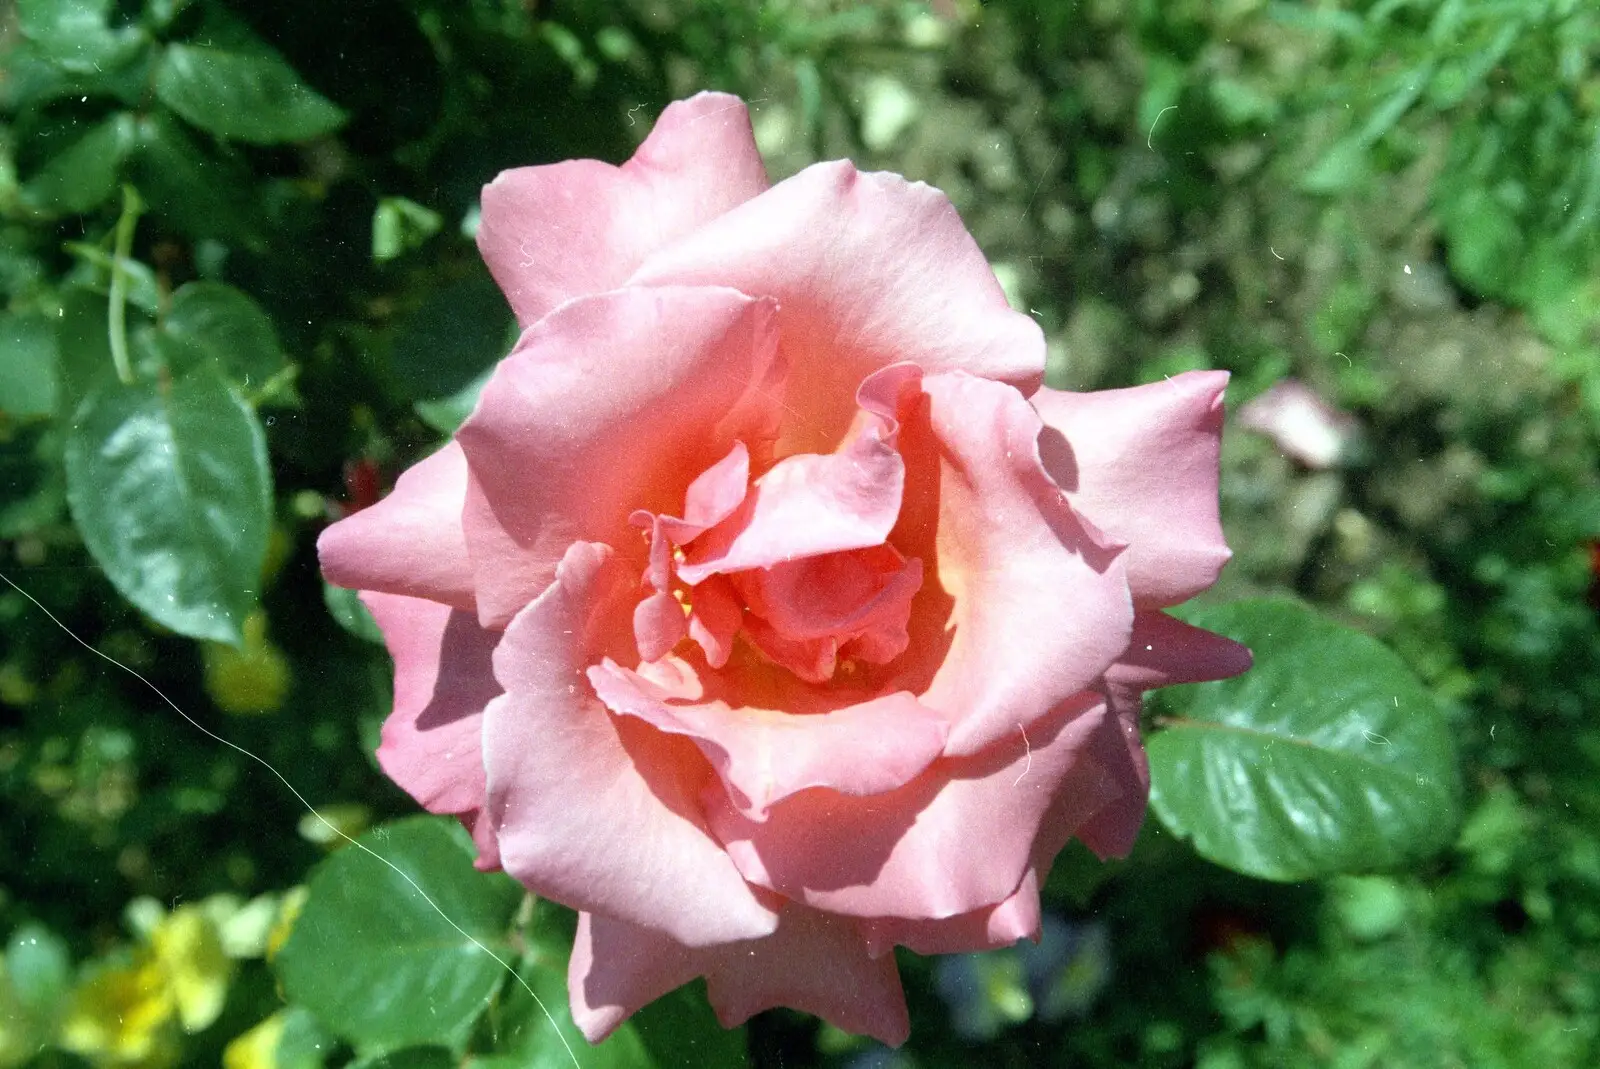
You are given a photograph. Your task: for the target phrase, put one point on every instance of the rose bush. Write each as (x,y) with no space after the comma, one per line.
(767,610)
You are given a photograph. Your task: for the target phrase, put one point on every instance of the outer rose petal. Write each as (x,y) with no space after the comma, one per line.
(982,929)
(869,270)
(442,680)
(568,229)
(956,839)
(764,756)
(411,542)
(1039,607)
(813,963)
(1162,651)
(595,811)
(609,404)
(1141,464)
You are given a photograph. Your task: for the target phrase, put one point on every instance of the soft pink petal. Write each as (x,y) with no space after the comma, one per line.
(411,542)
(1301,424)
(982,929)
(715,619)
(804,506)
(1038,607)
(481,829)
(609,405)
(595,811)
(579,227)
(841,594)
(813,963)
(1162,651)
(658,625)
(712,497)
(869,270)
(958,838)
(442,681)
(1142,465)
(766,755)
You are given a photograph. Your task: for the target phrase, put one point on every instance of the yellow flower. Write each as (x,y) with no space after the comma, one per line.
(257,1048)
(288,913)
(120,1015)
(189,949)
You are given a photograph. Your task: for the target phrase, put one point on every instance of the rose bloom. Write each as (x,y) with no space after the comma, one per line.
(766,610)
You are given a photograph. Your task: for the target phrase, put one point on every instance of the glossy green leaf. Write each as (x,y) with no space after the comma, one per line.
(85,174)
(29,381)
(1327,756)
(377,962)
(229,329)
(170,489)
(245,96)
(445,414)
(680,1031)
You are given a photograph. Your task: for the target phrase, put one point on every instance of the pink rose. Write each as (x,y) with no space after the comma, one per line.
(766,610)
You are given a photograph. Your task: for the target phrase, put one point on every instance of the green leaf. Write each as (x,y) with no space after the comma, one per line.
(228,329)
(84,175)
(410,1058)
(373,958)
(680,1031)
(170,488)
(525,1035)
(74,35)
(201,193)
(245,96)
(28,378)
(1327,756)
(347,610)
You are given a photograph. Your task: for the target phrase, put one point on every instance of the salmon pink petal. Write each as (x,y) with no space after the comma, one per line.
(813,963)
(410,542)
(1162,651)
(637,847)
(658,625)
(958,838)
(712,497)
(715,618)
(562,448)
(805,506)
(1039,606)
(765,755)
(869,270)
(982,929)
(569,229)
(481,828)
(442,681)
(1142,465)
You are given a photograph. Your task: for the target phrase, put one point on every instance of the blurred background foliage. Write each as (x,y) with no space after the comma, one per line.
(1394,202)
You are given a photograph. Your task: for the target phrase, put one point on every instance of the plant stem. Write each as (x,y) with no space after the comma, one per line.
(116,318)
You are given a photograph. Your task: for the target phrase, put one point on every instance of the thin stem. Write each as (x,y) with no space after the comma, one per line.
(117,319)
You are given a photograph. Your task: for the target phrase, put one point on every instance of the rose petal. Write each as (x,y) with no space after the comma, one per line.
(442,681)
(595,811)
(1162,651)
(766,755)
(814,963)
(712,497)
(579,227)
(658,625)
(869,270)
(982,929)
(805,506)
(410,542)
(1038,607)
(715,618)
(956,839)
(1142,465)
(562,448)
